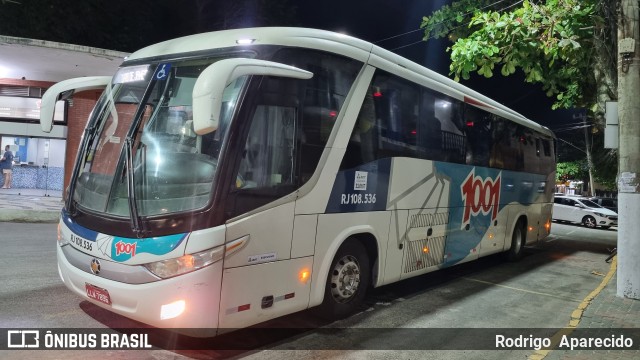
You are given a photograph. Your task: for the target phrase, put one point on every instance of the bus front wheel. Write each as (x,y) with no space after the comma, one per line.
(347,281)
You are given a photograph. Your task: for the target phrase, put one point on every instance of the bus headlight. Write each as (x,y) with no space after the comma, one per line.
(62,240)
(184,264)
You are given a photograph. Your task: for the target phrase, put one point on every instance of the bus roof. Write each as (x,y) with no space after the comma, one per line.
(328,41)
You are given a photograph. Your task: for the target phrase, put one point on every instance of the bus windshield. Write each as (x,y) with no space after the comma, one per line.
(141,152)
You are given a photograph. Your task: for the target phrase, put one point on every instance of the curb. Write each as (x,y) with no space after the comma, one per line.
(29,216)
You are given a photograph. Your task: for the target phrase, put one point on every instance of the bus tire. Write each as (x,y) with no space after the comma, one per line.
(347,281)
(518,239)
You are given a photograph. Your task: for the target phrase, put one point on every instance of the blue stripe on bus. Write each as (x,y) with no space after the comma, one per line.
(515,187)
(363,188)
(354,188)
(123,249)
(77,229)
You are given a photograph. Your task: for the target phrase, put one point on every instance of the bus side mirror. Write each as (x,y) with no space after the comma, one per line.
(66,87)
(210,85)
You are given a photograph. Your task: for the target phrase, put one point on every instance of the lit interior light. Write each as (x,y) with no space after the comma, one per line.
(172,310)
(245,41)
(304,275)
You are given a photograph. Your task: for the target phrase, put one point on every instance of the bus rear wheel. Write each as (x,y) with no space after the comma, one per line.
(347,281)
(518,239)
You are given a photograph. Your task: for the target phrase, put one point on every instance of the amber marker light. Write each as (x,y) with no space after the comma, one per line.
(490,236)
(425,249)
(304,275)
(547,226)
(172,310)
(530,228)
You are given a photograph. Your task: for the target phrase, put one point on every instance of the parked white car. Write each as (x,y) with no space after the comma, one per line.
(584,211)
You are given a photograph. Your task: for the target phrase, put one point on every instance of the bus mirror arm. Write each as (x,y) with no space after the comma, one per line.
(62,91)
(210,85)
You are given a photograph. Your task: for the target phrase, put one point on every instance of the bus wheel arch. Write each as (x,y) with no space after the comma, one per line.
(349,277)
(518,239)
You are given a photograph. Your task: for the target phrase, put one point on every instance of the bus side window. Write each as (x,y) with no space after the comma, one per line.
(478,129)
(268,154)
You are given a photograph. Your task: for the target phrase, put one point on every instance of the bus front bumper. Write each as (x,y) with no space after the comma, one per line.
(186,304)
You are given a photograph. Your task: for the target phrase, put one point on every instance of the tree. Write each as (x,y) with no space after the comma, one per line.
(567,46)
(566,171)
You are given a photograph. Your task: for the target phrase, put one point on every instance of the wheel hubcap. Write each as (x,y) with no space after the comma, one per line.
(345,279)
(590,222)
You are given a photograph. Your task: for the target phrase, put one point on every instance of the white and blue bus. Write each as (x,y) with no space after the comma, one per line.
(228,178)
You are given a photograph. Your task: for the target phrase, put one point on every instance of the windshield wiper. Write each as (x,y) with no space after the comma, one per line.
(136,221)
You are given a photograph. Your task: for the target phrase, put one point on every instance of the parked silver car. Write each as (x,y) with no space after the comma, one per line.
(584,211)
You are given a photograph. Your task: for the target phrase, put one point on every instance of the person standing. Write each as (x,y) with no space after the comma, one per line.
(7,167)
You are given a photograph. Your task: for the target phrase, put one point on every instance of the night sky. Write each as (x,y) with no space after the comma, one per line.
(393,25)
(384,19)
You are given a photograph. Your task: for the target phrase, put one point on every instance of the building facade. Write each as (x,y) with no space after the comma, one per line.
(28,68)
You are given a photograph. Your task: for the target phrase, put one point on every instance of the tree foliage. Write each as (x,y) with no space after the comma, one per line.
(564,45)
(571,170)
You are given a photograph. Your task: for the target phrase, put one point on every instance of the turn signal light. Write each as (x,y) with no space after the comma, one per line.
(304,275)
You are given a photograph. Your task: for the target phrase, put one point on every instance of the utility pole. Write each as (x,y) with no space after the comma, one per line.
(587,141)
(629,150)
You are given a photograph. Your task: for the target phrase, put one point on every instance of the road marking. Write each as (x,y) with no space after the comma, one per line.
(576,315)
(519,289)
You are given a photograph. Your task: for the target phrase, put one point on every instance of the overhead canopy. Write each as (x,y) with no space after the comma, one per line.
(41,60)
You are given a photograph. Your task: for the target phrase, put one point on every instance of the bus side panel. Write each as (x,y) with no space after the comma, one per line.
(269,236)
(395,248)
(304,235)
(415,185)
(333,230)
(257,293)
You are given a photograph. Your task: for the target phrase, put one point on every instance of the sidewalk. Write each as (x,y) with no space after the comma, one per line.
(602,310)
(30,205)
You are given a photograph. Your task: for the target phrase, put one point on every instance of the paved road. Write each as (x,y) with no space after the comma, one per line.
(541,291)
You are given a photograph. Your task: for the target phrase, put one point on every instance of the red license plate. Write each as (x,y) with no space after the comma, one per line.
(97,293)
